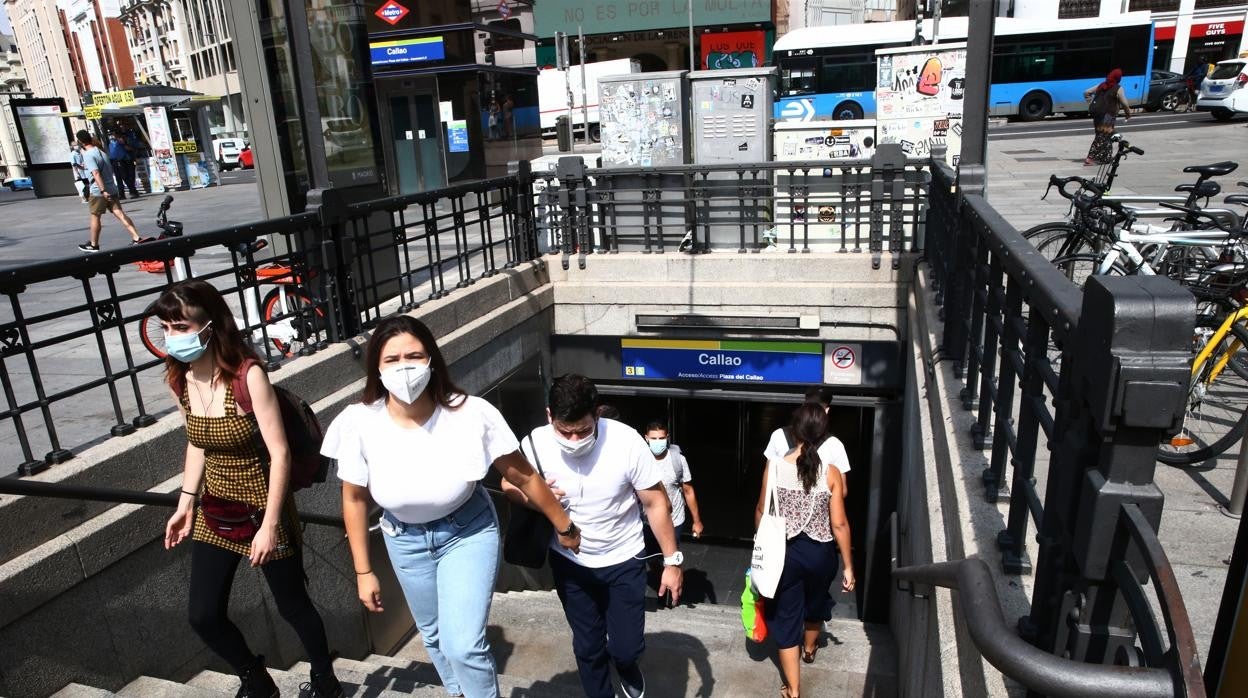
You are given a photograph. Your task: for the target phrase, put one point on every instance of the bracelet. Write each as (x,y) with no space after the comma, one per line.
(190,493)
(361,574)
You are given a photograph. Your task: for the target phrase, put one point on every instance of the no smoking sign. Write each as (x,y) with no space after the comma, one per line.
(842,364)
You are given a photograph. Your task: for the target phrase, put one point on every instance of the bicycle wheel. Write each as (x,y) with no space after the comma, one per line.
(152,337)
(290,329)
(1217,407)
(1078,267)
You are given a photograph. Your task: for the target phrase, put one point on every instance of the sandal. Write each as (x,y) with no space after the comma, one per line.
(784,693)
(809,656)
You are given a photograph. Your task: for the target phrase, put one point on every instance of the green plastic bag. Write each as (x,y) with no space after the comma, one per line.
(752,612)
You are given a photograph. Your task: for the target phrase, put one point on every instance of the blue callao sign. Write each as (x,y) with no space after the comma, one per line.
(722,360)
(425,48)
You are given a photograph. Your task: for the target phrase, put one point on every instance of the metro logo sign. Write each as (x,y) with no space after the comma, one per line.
(392,12)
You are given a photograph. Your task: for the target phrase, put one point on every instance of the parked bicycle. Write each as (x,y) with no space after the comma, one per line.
(286,317)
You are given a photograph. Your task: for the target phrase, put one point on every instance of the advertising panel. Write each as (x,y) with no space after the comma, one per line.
(918,98)
(163,163)
(733,50)
(44,131)
(343,90)
(613,16)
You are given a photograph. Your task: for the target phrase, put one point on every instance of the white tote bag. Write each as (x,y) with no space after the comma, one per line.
(770,542)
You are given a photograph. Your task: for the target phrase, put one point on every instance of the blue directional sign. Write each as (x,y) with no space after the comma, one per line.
(722,360)
(418,50)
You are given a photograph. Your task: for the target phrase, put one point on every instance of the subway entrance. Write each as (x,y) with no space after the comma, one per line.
(722,435)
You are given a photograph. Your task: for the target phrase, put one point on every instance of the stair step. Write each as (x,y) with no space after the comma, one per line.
(696,650)
(152,687)
(77,690)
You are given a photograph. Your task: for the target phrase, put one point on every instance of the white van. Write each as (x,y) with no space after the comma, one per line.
(1225,91)
(226,151)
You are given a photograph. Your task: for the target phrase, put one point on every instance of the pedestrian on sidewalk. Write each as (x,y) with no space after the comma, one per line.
(600,468)
(123,164)
(808,494)
(81,181)
(238,464)
(1104,101)
(419,446)
(103,191)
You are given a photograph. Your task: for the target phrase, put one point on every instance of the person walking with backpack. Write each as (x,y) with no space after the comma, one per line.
(238,468)
(807,493)
(419,446)
(1104,101)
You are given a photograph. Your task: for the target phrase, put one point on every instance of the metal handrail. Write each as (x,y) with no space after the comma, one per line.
(1029,665)
(58,490)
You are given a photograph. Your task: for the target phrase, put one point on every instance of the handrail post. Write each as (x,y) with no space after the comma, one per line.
(1121,391)
(330,207)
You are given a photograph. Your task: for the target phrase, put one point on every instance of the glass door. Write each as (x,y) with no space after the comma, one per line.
(417,137)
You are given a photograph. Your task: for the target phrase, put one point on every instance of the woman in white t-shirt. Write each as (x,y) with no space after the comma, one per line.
(419,447)
(808,496)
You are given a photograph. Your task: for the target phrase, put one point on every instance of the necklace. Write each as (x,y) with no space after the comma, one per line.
(212,390)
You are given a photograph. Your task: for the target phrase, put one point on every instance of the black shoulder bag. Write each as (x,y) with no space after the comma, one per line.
(527,541)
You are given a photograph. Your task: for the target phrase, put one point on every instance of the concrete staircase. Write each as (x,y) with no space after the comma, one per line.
(690,651)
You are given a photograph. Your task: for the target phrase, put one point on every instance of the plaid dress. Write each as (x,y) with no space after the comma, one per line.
(235,469)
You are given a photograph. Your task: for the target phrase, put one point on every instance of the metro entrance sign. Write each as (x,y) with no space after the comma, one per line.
(721,360)
(614,16)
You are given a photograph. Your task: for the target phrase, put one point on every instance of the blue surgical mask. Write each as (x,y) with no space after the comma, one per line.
(187,347)
(658,446)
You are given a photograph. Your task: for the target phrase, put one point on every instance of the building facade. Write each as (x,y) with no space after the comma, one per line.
(1187,33)
(42,36)
(188,44)
(98,53)
(12,80)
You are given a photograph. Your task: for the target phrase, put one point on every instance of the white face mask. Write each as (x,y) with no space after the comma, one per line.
(406,382)
(577,449)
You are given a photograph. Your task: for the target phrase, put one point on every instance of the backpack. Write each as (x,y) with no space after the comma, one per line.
(1103,102)
(303,431)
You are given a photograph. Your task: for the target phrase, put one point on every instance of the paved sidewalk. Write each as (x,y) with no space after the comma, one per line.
(1197,538)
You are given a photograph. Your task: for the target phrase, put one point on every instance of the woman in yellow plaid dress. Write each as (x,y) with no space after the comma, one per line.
(236,461)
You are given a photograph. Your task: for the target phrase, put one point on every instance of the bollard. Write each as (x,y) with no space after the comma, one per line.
(1240,489)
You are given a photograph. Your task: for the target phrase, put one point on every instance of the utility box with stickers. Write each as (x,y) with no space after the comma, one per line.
(730,111)
(642,119)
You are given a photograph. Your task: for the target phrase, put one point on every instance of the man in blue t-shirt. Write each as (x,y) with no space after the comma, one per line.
(103,190)
(123,165)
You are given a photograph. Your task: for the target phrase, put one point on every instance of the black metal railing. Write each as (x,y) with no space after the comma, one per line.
(876,206)
(78,351)
(1100,373)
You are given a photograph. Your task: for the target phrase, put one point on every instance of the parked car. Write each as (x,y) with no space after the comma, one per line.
(226,151)
(19,184)
(1165,91)
(1224,93)
(246,159)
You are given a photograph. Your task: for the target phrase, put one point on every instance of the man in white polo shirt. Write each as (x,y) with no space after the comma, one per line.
(600,468)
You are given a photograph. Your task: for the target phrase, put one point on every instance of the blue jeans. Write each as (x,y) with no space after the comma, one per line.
(447,568)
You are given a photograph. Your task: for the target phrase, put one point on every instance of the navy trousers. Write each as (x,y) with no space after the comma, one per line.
(605,608)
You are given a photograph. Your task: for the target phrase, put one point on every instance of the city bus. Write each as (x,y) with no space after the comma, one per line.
(1038,68)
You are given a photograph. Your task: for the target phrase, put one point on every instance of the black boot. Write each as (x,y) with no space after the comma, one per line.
(321,686)
(256,682)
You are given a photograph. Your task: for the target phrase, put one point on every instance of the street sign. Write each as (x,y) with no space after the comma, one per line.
(504,10)
(721,360)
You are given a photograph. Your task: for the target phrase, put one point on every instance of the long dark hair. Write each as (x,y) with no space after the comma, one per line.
(198,301)
(441,387)
(809,425)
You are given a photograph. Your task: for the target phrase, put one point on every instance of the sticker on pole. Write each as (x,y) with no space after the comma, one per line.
(842,364)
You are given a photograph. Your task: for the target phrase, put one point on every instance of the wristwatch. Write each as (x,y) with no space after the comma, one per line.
(675,560)
(572,530)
